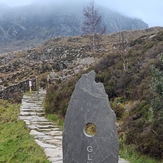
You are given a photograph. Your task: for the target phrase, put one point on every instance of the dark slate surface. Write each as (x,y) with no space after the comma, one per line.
(89,104)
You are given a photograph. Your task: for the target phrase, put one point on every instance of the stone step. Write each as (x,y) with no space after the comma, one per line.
(28,117)
(34,99)
(27,122)
(45,126)
(56,129)
(49,140)
(45,129)
(37,102)
(36,133)
(56,133)
(44,123)
(43,137)
(31,113)
(58,137)
(45,145)
(32,127)
(33,119)
(54,153)
(26,97)
(32,110)
(58,143)
(30,101)
(39,119)
(27,105)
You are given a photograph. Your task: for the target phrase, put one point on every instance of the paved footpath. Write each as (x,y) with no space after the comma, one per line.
(46,133)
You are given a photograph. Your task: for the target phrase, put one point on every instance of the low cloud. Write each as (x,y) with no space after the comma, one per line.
(149,11)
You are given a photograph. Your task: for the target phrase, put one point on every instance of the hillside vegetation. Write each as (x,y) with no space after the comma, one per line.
(58,54)
(134,87)
(129,65)
(16,144)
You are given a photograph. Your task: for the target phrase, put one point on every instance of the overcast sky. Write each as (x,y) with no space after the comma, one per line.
(150,11)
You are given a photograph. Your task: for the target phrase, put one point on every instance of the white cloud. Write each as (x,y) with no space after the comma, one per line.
(13,3)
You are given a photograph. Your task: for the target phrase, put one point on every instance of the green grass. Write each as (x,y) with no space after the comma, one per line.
(27,93)
(128,153)
(56,118)
(16,144)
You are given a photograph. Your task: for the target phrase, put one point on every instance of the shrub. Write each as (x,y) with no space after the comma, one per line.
(43,82)
(140,132)
(58,97)
(158,37)
(118,107)
(16,97)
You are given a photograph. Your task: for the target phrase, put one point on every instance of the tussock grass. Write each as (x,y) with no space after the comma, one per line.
(128,153)
(16,145)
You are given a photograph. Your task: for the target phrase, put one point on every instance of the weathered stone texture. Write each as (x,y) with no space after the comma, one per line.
(89,104)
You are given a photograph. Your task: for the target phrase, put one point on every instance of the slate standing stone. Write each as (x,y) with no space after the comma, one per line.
(89,104)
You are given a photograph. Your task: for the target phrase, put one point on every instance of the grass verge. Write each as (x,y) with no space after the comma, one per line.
(128,153)
(16,144)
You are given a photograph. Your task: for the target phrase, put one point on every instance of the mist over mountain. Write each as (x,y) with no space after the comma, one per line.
(41,21)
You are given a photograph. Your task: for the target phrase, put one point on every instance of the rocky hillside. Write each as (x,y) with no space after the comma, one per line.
(27,25)
(63,55)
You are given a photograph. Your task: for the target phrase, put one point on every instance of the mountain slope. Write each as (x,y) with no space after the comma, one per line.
(41,22)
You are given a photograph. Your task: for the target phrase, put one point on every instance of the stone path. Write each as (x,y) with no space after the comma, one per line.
(46,134)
